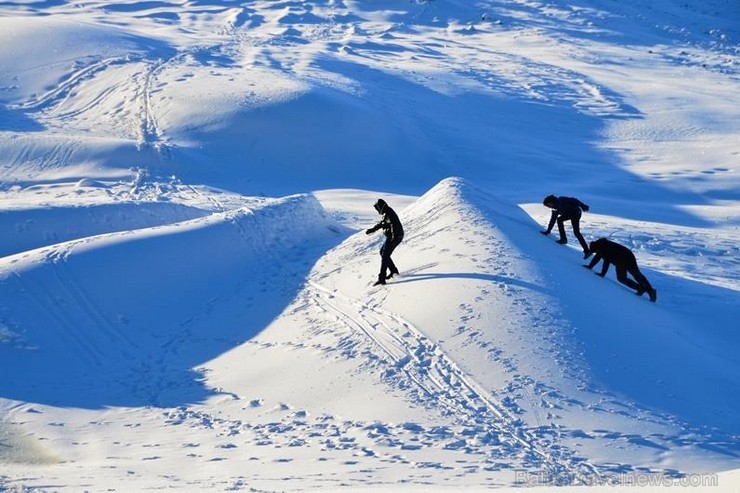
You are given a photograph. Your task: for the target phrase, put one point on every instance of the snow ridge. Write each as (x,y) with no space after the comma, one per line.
(173,315)
(60,305)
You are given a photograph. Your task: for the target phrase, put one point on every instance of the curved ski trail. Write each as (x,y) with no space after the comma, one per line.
(413,362)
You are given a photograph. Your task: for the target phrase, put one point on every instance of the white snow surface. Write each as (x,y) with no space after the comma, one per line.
(186,296)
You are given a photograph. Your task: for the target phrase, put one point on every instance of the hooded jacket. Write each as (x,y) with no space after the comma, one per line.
(565,206)
(390,223)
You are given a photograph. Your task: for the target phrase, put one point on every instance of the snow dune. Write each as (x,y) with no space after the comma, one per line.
(185,282)
(97,311)
(470,367)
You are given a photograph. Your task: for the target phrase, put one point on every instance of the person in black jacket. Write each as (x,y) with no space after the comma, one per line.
(624,261)
(393,230)
(566,209)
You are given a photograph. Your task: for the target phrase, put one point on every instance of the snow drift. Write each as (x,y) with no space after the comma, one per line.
(471,364)
(85,315)
(167,321)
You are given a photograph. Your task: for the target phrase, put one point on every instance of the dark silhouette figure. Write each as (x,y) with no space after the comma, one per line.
(566,209)
(624,261)
(393,230)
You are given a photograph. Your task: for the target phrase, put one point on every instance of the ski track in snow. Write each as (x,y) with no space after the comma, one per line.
(438,382)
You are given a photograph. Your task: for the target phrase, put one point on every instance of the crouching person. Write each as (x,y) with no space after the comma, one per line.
(624,261)
(566,209)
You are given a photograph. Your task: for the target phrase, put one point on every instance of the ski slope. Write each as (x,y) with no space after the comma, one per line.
(186,296)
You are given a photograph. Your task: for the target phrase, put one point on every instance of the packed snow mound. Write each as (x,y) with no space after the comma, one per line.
(477,333)
(598,321)
(252,332)
(447,343)
(90,310)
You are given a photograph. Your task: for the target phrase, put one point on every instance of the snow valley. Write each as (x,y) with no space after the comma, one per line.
(186,296)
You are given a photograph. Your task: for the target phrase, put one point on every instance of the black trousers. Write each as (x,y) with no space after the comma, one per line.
(631,266)
(575,220)
(386,263)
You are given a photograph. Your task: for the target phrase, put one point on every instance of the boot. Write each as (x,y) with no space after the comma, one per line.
(381,280)
(653,294)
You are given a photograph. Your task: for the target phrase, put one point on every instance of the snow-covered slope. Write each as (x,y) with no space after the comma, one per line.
(88,315)
(470,368)
(185,282)
(239,95)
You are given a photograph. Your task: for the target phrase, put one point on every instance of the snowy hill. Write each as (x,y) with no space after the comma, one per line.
(186,294)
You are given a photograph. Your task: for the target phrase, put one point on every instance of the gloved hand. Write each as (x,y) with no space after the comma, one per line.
(585,208)
(369,231)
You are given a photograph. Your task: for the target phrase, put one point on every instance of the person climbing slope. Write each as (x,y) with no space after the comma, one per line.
(566,209)
(393,230)
(625,262)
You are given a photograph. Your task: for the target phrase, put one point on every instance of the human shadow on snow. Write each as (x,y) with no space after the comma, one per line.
(478,276)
